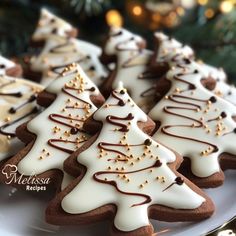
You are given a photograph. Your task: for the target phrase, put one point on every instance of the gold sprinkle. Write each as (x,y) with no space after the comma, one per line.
(7,119)
(177,90)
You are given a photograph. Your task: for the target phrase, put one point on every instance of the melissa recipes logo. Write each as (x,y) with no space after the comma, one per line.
(31,183)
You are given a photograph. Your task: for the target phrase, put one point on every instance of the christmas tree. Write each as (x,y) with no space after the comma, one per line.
(195,123)
(125,167)
(62,133)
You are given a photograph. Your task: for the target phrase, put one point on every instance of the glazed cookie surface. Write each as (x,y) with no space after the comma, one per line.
(17,100)
(131,176)
(49,24)
(59,52)
(62,123)
(197,124)
(131,66)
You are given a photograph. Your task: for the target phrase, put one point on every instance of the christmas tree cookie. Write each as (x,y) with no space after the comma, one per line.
(127,50)
(197,124)
(17,102)
(126,176)
(57,132)
(59,52)
(168,52)
(48,25)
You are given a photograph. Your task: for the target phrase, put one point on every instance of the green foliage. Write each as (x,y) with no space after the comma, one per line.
(89,7)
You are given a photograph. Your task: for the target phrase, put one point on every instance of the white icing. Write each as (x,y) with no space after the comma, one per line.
(217,132)
(214,73)
(170,50)
(37,160)
(131,64)
(121,40)
(11,145)
(49,25)
(226,91)
(68,51)
(5,64)
(128,217)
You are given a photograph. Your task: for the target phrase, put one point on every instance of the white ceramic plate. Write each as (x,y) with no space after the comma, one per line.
(22,213)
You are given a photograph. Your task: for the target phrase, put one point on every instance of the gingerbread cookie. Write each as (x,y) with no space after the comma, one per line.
(197,124)
(9,68)
(59,52)
(168,52)
(131,67)
(62,132)
(17,100)
(131,177)
(48,25)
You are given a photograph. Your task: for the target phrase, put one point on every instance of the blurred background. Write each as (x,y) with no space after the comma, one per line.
(209,26)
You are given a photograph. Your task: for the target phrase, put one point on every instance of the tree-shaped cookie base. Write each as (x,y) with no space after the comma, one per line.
(197,124)
(58,129)
(132,67)
(127,175)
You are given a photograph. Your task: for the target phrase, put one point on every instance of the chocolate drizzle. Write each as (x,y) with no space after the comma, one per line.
(124,127)
(67,120)
(52,142)
(7,125)
(120,100)
(178,180)
(16,94)
(190,106)
(103,145)
(113,183)
(13,110)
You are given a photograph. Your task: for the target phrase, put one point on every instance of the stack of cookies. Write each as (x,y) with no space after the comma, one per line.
(130,144)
